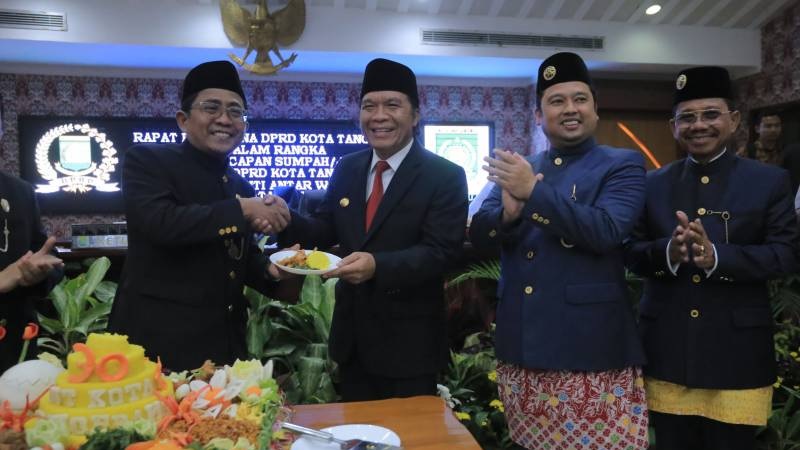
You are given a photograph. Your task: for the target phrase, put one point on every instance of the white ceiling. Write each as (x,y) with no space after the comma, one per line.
(164,36)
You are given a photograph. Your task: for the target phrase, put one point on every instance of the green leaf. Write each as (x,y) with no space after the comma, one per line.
(91,316)
(312,292)
(46,343)
(95,274)
(326,392)
(317,351)
(309,372)
(280,350)
(259,331)
(105,291)
(51,325)
(59,297)
(483,270)
(329,301)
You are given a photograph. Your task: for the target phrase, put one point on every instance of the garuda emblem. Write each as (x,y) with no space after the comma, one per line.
(263,32)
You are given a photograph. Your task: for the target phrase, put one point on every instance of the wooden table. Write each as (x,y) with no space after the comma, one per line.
(423,423)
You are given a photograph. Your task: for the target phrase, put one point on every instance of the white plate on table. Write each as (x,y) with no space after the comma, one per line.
(364,432)
(283,254)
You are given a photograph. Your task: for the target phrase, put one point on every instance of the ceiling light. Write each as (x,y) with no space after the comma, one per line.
(652,9)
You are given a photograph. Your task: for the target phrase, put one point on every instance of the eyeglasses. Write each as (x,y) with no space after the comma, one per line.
(686,119)
(214,109)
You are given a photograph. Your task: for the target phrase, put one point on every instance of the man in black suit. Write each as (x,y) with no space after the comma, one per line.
(398,212)
(28,269)
(191,220)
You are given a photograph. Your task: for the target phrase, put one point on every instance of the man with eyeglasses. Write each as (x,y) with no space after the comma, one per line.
(716,227)
(191,220)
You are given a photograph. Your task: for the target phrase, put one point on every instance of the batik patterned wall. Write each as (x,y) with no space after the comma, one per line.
(779,80)
(508,107)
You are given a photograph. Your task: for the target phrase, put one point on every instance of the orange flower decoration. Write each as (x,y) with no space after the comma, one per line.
(31,331)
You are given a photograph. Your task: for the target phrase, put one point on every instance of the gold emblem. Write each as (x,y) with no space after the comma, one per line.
(263,32)
(701,211)
(548,73)
(558,161)
(704,179)
(680,83)
(344,202)
(5,205)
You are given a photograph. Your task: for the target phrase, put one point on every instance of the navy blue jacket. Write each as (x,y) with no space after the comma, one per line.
(563,300)
(714,332)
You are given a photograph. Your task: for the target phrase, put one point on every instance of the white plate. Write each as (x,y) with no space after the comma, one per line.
(364,432)
(283,254)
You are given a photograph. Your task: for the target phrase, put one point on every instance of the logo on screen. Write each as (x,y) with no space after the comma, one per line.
(75,158)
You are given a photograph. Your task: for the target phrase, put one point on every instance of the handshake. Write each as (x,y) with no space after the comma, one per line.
(266,215)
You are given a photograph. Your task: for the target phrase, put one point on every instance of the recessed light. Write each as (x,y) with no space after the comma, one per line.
(652,9)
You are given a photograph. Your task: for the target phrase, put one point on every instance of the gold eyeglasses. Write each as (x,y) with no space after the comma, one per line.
(214,109)
(686,119)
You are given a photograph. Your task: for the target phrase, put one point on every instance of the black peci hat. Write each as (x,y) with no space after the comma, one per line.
(561,68)
(702,82)
(213,74)
(385,75)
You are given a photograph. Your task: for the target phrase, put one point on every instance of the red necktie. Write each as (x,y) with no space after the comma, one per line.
(377,191)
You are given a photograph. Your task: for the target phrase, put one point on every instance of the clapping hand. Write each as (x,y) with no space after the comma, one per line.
(513,173)
(678,248)
(702,248)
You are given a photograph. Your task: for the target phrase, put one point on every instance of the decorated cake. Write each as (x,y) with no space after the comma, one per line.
(108,384)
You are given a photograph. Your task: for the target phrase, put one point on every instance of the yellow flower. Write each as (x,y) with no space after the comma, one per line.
(462,415)
(492,376)
(610,398)
(553,401)
(485,423)
(497,404)
(793,354)
(250,413)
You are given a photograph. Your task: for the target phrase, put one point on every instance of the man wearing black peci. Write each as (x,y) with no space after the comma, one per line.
(191,220)
(398,212)
(715,228)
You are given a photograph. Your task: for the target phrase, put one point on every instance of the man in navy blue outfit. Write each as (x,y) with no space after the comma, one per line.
(567,344)
(716,227)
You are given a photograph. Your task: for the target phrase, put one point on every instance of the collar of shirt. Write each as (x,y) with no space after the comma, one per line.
(573,151)
(394,162)
(214,163)
(691,158)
